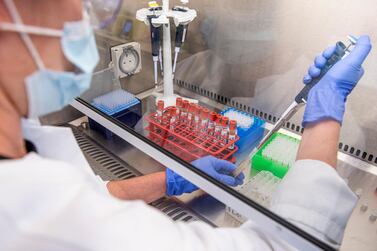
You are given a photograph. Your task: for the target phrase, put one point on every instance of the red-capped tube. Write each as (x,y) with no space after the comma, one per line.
(197,117)
(232,133)
(179,105)
(191,112)
(224,130)
(185,107)
(211,123)
(178,102)
(204,115)
(173,118)
(173,111)
(217,132)
(160,110)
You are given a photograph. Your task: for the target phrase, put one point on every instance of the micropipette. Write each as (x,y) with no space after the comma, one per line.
(156,45)
(340,52)
(180,37)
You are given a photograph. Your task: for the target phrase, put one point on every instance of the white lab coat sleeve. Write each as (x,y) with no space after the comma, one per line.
(315,198)
(51,205)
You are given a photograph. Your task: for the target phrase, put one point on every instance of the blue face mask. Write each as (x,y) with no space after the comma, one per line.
(49,90)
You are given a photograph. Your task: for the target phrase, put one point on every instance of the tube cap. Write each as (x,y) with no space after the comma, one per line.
(192,107)
(198,109)
(219,118)
(178,102)
(213,116)
(232,125)
(160,105)
(224,121)
(173,111)
(185,104)
(205,113)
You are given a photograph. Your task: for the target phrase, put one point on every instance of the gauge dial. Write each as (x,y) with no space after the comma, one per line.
(129,61)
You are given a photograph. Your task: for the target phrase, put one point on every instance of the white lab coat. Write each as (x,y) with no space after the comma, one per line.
(47,203)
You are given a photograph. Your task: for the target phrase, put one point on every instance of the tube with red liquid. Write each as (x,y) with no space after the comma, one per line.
(211,123)
(173,118)
(217,132)
(197,118)
(204,120)
(160,110)
(224,130)
(232,133)
(184,111)
(179,105)
(190,115)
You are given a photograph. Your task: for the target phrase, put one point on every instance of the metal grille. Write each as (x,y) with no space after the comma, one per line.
(103,163)
(174,210)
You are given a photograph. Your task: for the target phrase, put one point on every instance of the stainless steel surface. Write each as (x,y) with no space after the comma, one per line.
(176,210)
(136,83)
(361,233)
(209,208)
(61,117)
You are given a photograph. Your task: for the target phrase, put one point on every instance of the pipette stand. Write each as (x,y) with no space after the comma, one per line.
(163,16)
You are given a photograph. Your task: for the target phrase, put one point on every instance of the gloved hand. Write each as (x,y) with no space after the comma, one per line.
(218,169)
(326,100)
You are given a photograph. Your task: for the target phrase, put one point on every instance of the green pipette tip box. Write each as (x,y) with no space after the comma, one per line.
(260,162)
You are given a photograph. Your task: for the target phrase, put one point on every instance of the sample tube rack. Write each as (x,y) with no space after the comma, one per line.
(187,140)
(277,155)
(260,188)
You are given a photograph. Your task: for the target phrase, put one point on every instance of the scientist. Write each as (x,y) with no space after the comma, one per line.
(49,201)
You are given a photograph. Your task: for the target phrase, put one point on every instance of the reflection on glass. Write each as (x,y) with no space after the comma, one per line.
(254,53)
(191,131)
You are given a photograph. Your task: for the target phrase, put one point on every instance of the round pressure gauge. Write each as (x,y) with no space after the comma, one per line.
(129,61)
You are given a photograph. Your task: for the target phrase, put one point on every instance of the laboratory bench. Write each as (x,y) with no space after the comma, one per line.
(130,151)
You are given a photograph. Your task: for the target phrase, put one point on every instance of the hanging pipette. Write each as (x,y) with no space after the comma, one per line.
(180,37)
(156,45)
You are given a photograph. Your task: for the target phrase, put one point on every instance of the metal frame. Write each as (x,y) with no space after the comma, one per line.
(270,222)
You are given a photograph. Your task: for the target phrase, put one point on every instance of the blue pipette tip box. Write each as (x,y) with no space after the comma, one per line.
(251,133)
(118,104)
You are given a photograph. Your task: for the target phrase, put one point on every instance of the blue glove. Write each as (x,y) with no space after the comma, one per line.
(218,169)
(326,100)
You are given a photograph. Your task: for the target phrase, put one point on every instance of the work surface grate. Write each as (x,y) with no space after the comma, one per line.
(103,163)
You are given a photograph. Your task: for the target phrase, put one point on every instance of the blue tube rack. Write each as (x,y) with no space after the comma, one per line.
(120,105)
(249,137)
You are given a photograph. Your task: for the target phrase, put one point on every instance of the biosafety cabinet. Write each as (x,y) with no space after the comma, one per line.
(243,60)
